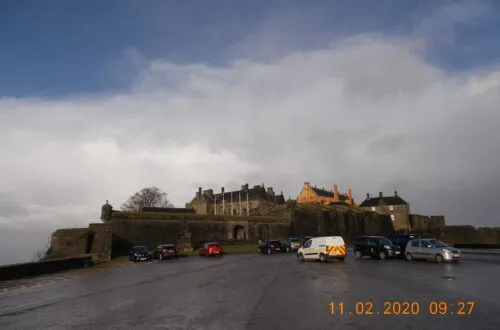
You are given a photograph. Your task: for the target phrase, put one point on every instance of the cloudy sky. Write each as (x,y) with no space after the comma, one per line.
(99,99)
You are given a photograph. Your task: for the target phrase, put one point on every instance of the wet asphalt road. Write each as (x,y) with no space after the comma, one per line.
(260,292)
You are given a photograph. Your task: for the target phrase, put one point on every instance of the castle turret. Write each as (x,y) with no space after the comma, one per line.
(106,211)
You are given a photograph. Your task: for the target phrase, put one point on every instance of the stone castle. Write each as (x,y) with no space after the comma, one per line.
(314,195)
(257,213)
(246,201)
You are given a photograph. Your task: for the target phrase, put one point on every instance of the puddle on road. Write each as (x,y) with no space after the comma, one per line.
(449,278)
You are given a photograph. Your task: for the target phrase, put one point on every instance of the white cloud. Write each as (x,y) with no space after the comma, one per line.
(368,113)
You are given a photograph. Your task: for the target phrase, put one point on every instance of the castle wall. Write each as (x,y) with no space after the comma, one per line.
(152,232)
(125,229)
(101,247)
(340,221)
(71,241)
(399,214)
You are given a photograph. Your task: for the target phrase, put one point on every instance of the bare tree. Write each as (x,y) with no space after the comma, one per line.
(146,197)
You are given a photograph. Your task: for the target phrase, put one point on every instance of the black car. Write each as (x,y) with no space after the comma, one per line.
(290,244)
(401,240)
(139,253)
(165,251)
(375,247)
(270,246)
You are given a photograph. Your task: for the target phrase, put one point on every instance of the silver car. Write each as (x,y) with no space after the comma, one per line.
(425,248)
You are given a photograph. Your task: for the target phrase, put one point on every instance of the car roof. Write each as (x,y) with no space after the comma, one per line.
(212,243)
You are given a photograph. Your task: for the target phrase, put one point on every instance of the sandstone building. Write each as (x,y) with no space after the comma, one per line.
(395,206)
(314,195)
(246,201)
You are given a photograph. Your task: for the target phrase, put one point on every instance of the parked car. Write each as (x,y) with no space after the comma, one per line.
(139,253)
(323,249)
(211,249)
(270,246)
(304,239)
(290,244)
(402,240)
(424,248)
(165,251)
(375,247)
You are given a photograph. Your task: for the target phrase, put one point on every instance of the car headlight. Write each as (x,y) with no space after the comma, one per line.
(388,247)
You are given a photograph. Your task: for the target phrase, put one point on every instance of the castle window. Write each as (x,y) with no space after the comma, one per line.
(373,208)
(391,207)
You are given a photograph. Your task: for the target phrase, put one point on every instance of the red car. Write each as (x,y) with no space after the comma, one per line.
(211,249)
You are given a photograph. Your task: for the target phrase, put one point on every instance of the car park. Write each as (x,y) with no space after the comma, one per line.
(434,249)
(375,247)
(323,249)
(270,246)
(402,240)
(290,244)
(139,253)
(211,249)
(165,251)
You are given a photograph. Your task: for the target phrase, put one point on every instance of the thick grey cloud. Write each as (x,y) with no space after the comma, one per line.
(368,113)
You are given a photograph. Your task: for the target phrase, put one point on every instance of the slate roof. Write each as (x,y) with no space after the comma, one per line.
(328,193)
(389,200)
(254,193)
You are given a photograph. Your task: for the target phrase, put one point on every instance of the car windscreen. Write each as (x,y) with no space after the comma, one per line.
(213,245)
(141,249)
(384,241)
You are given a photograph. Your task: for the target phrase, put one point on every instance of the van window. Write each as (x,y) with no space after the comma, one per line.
(308,244)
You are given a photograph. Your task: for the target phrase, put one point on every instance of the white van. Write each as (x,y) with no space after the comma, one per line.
(322,249)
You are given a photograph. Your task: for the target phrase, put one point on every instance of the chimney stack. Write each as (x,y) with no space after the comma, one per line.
(380,194)
(244,187)
(199,193)
(349,193)
(395,193)
(367,195)
(335,193)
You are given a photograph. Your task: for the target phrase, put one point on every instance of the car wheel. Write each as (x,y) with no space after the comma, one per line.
(269,251)
(409,257)
(300,257)
(322,257)
(161,257)
(439,258)
(382,255)
(358,255)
